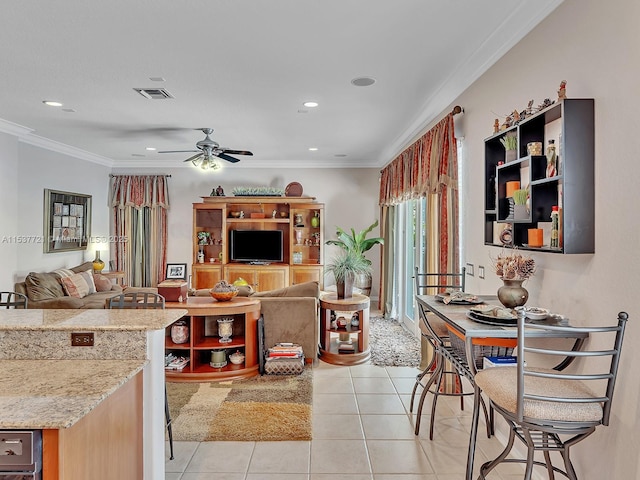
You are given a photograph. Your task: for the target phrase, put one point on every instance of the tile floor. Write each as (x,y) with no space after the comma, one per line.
(361,431)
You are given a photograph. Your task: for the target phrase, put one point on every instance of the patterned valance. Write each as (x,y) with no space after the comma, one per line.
(139,191)
(423,168)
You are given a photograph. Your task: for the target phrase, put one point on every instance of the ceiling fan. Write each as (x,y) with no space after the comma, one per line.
(207,150)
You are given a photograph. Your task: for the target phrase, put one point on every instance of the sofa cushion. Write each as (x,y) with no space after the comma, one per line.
(79,285)
(43,286)
(103,284)
(307,289)
(63,272)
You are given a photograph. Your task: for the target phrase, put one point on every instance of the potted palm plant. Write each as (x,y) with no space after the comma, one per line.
(345,268)
(356,244)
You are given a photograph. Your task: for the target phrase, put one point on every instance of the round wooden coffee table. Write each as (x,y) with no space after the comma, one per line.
(344,345)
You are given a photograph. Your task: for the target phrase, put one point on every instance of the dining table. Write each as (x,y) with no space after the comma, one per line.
(456,315)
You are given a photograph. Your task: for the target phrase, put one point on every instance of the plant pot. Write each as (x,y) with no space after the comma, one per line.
(512,294)
(363,283)
(510,155)
(520,212)
(344,289)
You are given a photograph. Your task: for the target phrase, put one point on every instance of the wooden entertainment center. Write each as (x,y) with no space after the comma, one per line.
(300,219)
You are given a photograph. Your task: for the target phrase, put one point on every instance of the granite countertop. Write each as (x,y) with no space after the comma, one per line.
(94,319)
(54,394)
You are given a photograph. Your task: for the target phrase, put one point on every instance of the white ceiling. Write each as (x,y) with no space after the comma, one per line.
(244,68)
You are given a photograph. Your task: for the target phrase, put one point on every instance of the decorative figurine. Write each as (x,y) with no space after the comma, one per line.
(562,91)
(219,191)
(334,323)
(355,319)
(274,213)
(496,126)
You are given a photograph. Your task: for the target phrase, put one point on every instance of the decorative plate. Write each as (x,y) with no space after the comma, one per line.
(462,301)
(491,320)
(294,189)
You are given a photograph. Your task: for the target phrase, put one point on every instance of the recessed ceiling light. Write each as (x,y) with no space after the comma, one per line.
(69,110)
(137,155)
(363,81)
(313,149)
(157,79)
(151,149)
(310,104)
(340,155)
(52,103)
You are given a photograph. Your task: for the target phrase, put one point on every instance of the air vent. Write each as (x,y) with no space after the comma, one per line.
(154,93)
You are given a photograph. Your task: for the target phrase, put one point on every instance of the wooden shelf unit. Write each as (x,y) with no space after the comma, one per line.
(202,316)
(303,241)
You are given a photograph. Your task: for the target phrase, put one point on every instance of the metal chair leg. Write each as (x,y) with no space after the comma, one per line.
(167,416)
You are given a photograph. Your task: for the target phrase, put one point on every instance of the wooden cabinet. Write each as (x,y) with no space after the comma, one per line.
(334,339)
(306,273)
(570,123)
(262,278)
(202,321)
(300,219)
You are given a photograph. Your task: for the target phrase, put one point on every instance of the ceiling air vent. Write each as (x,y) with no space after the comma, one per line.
(154,93)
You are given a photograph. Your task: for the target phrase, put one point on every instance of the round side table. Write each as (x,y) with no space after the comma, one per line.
(337,345)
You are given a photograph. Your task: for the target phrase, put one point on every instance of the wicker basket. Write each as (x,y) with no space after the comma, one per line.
(482,347)
(223,296)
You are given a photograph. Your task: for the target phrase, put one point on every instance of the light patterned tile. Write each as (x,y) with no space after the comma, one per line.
(339,457)
(332,385)
(398,456)
(379,404)
(182,453)
(391,427)
(333,426)
(280,457)
(216,457)
(373,385)
(334,403)
(368,370)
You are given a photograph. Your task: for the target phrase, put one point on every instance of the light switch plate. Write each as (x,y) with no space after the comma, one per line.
(480,271)
(469,268)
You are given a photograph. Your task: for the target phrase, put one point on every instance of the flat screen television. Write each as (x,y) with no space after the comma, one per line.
(262,246)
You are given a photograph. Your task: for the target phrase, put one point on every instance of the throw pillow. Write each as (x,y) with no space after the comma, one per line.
(83,267)
(79,285)
(63,272)
(103,284)
(43,286)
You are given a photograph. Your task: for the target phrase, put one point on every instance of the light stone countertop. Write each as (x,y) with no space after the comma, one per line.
(93,319)
(43,394)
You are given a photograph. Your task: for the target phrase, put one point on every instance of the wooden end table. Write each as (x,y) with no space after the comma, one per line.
(331,338)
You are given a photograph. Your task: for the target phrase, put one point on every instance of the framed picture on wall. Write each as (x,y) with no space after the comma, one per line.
(67,221)
(176,271)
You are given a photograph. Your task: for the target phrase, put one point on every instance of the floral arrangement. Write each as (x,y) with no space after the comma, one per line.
(512,265)
(258,192)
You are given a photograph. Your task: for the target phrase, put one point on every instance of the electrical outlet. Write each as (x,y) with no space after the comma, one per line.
(469,269)
(480,271)
(82,339)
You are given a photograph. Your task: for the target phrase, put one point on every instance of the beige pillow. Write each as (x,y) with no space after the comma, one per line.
(79,285)
(63,272)
(43,286)
(103,284)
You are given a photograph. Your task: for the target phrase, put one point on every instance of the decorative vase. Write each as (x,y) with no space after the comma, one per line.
(512,294)
(98,264)
(225,329)
(344,289)
(315,220)
(180,332)
(520,212)
(510,155)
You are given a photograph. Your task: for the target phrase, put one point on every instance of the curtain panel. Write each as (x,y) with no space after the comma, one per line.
(139,205)
(426,169)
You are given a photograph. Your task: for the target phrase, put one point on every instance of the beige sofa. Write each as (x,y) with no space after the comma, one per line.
(45,291)
(291,314)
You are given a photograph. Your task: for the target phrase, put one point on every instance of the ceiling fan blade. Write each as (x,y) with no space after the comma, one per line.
(177,151)
(236,152)
(228,158)
(194,157)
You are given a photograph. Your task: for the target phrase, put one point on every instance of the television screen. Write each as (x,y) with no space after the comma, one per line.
(255,245)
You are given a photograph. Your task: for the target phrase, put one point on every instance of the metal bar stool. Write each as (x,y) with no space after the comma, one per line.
(13,300)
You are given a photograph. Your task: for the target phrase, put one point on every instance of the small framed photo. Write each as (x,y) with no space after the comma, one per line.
(176,271)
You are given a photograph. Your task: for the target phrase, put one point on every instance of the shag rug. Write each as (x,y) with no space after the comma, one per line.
(392,344)
(263,408)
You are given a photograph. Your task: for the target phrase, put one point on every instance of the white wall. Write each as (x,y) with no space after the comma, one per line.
(595,46)
(8,217)
(26,171)
(350,197)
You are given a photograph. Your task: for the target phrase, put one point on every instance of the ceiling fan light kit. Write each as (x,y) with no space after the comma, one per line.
(208,150)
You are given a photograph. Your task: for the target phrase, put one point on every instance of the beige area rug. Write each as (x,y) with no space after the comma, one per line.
(265,408)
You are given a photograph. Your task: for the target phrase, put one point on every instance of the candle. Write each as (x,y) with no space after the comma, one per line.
(535,237)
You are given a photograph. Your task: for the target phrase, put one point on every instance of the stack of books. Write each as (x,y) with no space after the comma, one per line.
(284,359)
(172,362)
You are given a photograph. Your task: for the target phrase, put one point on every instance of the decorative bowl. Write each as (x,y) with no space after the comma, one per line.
(235,214)
(237,358)
(536,313)
(223,296)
